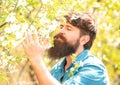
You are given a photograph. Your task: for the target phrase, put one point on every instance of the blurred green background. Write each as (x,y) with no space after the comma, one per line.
(17,16)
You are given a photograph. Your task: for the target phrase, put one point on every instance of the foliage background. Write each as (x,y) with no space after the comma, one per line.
(17,16)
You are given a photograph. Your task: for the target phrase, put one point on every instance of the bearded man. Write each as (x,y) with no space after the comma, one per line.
(73,42)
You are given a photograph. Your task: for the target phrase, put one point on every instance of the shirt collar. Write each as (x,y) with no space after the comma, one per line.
(80,57)
(76,59)
(62,63)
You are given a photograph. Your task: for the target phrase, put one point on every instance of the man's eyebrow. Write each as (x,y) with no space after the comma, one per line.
(65,25)
(68,25)
(61,24)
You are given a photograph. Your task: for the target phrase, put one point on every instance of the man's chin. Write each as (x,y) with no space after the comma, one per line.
(54,53)
(57,53)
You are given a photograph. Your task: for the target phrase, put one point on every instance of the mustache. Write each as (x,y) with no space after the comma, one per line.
(59,36)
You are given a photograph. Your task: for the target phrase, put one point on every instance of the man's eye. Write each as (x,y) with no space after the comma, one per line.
(61,26)
(69,28)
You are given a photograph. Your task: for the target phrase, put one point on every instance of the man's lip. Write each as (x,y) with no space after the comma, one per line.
(59,39)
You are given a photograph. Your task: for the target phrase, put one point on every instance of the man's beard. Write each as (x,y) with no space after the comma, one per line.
(62,49)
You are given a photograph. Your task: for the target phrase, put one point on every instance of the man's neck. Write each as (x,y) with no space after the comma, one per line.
(69,59)
(68,62)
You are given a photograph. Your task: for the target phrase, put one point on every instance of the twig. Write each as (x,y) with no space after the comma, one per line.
(32,76)
(36,14)
(20,74)
(15,6)
(13,11)
(3,24)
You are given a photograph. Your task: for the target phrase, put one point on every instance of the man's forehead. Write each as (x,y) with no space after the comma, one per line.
(67,24)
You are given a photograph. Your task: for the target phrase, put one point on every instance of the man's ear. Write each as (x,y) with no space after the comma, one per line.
(84,39)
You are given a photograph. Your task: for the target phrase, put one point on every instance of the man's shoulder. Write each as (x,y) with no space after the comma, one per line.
(94,70)
(94,61)
(93,66)
(59,65)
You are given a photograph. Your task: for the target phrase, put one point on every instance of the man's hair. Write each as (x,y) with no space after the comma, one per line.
(86,24)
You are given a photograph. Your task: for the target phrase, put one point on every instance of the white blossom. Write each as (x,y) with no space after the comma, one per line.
(10,57)
(30,8)
(15,27)
(45,1)
(51,28)
(116,13)
(21,3)
(42,14)
(3,63)
(44,32)
(117,42)
(12,8)
(12,28)
(18,35)
(32,27)
(4,43)
(54,22)
(24,27)
(44,20)
(12,68)
(3,53)
(11,18)
(1,38)
(8,30)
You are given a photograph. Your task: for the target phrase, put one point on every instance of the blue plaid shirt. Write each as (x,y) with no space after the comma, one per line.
(84,70)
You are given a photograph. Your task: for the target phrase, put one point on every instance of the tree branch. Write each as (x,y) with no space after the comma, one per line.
(15,6)
(21,72)
(32,75)
(36,14)
(3,24)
